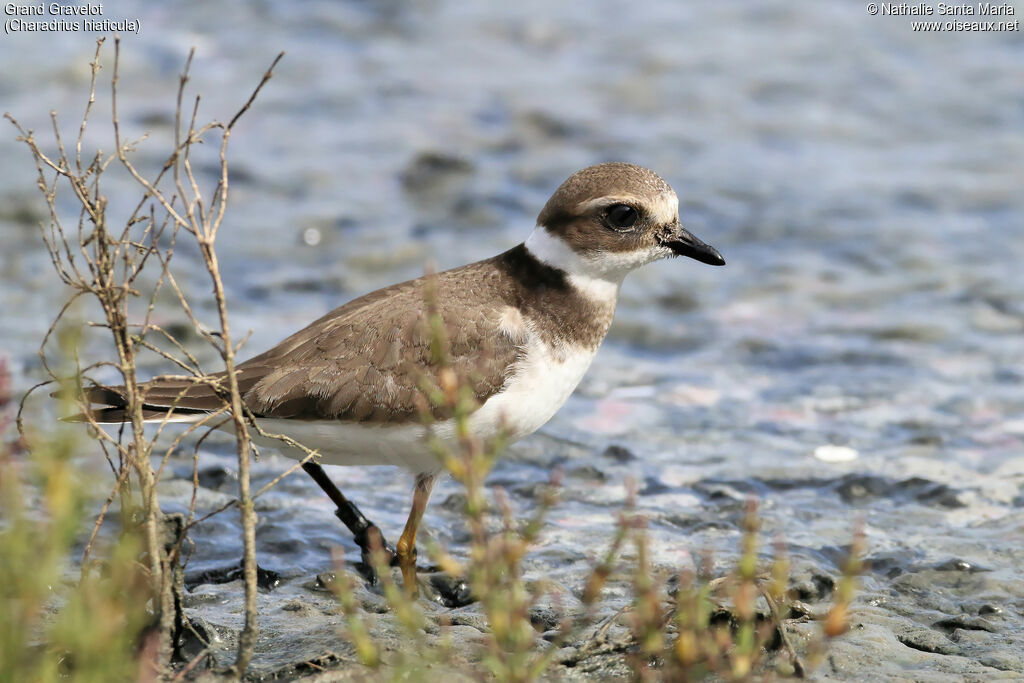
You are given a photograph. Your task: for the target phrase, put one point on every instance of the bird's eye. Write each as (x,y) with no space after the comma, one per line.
(622,216)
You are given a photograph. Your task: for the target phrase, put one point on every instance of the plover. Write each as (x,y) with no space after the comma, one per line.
(523,328)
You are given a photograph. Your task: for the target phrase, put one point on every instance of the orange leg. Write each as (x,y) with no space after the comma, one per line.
(406,547)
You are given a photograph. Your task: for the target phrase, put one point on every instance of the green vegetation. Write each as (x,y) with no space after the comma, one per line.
(53,623)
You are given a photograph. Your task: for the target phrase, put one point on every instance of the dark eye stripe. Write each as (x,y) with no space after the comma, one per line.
(622,216)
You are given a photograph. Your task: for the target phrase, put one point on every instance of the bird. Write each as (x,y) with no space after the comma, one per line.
(522,328)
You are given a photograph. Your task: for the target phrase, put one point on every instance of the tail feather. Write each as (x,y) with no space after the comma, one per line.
(186,399)
(174,400)
(207,394)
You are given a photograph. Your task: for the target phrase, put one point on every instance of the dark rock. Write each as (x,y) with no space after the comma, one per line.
(618,453)
(182,331)
(860,488)
(267,579)
(957,565)
(455,502)
(964,621)
(927,640)
(536,490)
(544,618)
(931,493)
(587,473)
(695,523)
(430,170)
(214,476)
(20,211)
(799,610)
(325,580)
(653,486)
(888,566)
(812,587)
(736,489)
(451,591)
(302,609)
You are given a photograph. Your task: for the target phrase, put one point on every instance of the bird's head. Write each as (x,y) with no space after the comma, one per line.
(609,219)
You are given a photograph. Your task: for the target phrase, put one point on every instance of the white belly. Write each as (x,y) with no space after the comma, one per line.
(541,383)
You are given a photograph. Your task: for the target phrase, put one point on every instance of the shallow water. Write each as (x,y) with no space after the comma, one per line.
(862,181)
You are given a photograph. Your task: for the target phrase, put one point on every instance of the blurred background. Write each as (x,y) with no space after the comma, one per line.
(861,356)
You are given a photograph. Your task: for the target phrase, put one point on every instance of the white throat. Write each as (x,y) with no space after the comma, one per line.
(592,278)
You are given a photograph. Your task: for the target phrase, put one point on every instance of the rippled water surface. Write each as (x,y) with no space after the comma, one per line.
(864,183)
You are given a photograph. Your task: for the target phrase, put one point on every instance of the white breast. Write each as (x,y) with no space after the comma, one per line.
(542,382)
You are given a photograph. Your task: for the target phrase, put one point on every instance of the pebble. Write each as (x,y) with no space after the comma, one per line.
(831,453)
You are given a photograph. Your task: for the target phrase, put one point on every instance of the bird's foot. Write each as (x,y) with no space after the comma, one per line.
(375,549)
(377,552)
(448,591)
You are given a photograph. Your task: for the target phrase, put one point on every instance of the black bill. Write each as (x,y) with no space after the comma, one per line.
(683,243)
